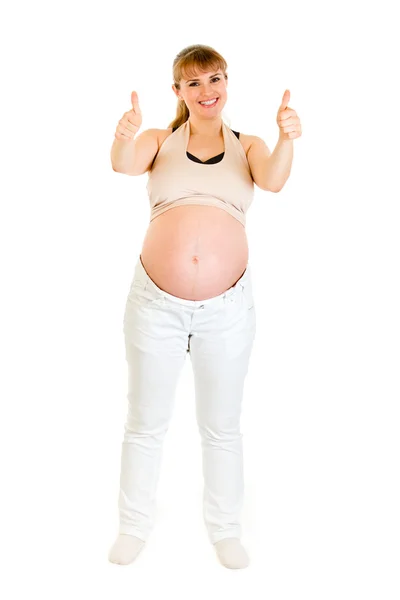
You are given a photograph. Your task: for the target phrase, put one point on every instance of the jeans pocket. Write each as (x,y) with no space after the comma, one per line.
(247,294)
(137,283)
(143,294)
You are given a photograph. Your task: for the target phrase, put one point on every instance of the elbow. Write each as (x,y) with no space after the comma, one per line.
(269,187)
(276,189)
(120,171)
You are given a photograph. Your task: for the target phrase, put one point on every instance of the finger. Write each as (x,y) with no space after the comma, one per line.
(287,123)
(290,128)
(129,126)
(122,136)
(135,102)
(285,100)
(124,125)
(293,128)
(286,113)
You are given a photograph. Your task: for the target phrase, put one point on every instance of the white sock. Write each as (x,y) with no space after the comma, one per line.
(231,553)
(125,549)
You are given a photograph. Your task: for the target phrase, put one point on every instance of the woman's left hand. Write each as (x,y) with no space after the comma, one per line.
(288,121)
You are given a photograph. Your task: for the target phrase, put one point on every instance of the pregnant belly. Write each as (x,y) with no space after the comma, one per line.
(195,252)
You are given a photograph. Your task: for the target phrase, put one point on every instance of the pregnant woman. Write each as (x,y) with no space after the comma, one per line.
(191,292)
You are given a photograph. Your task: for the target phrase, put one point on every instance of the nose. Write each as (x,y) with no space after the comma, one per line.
(207,88)
(208,95)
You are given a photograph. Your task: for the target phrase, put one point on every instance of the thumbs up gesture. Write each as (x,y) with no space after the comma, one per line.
(288,121)
(131,121)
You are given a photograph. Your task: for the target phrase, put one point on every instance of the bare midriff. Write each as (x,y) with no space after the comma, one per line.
(195,252)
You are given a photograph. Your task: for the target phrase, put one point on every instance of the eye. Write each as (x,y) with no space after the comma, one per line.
(195,82)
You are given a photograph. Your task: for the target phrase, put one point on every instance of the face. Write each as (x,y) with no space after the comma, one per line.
(204,86)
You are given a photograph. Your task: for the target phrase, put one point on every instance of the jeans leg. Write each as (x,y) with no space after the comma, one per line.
(220,349)
(156,344)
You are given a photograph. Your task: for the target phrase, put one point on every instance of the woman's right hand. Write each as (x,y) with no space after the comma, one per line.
(131,121)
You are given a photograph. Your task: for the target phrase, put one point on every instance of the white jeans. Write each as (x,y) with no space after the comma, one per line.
(218,333)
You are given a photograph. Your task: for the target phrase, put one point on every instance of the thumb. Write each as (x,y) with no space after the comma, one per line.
(285,100)
(135,102)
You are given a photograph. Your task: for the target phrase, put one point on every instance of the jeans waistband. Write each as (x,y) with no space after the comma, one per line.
(146,283)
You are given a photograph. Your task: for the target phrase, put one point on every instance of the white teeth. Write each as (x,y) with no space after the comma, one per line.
(209,102)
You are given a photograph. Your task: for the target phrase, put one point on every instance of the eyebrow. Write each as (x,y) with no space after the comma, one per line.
(218,73)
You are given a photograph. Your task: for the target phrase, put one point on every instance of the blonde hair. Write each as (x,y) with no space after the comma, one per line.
(189,61)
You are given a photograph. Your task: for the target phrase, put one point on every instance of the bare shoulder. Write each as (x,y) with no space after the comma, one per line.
(159,135)
(162,135)
(257,153)
(255,143)
(246,141)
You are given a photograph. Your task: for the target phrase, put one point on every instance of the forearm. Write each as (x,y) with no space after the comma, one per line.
(279,164)
(122,155)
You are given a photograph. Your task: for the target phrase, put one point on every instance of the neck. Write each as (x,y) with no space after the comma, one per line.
(206,128)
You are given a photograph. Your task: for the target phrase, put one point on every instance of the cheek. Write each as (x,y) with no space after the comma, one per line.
(192,98)
(222,91)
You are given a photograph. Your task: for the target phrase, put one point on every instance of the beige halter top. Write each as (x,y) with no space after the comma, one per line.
(176,180)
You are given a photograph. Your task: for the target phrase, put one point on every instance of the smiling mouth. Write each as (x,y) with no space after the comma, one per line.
(212,103)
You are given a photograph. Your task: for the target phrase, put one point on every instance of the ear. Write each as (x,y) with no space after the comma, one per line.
(176,92)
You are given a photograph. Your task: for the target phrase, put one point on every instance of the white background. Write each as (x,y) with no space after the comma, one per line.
(320,414)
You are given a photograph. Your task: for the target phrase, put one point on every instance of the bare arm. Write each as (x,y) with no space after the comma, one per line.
(135,157)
